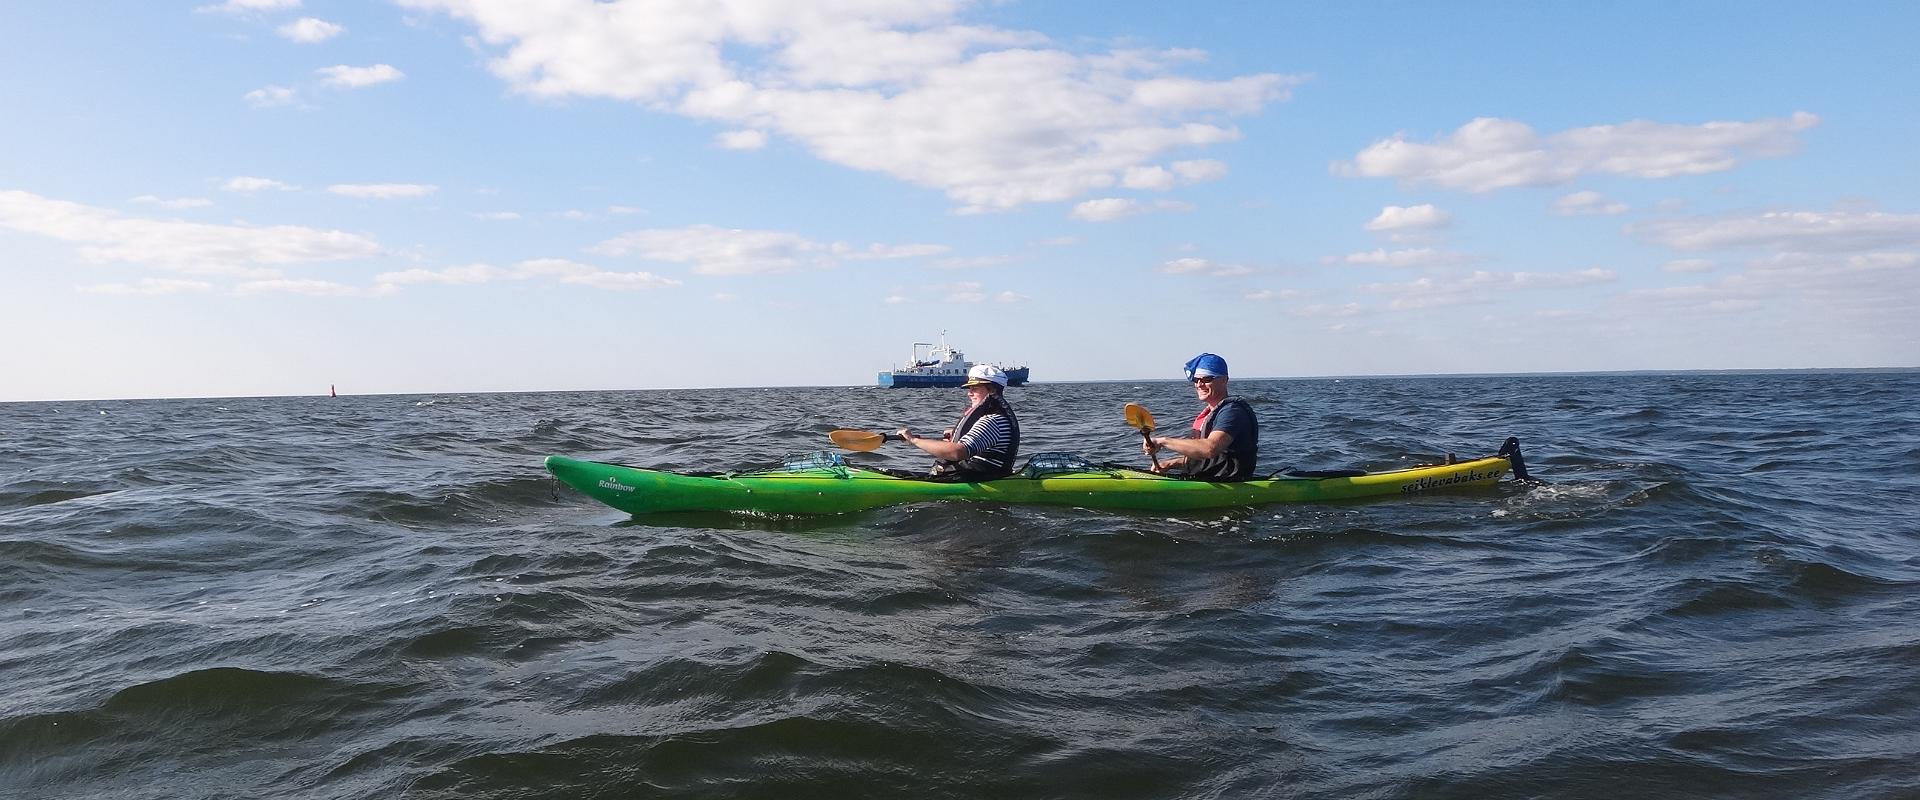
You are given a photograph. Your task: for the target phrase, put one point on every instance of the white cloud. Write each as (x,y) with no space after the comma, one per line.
(852,47)
(250,6)
(1794,231)
(1478,286)
(150,286)
(884,252)
(732,251)
(894,300)
(1009,297)
(308,30)
(1551,280)
(719,251)
(741,140)
(557,269)
(1243,95)
(1870,292)
(993,118)
(186,247)
(175,202)
(1148,177)
(1687,265)
(964,292)
(1190,266)
(974,262)
(625,211)
(1490,153)
(1587,204)
(347,77)
(1058,241)
(312,288)
(1328,310)
(1155,177)
(247,185)
(1811,263)
(724,297)
(1107,209)
(1416,257)
(583,274)
(383,191)
(1401,218)
(469,274)
(270,96)
(1199,170)
(1270,294)
(1425,293)
(620,281)
(497,216)
(1561,314)
(1691,300)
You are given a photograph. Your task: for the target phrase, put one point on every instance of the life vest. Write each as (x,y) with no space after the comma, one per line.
(1226,466)
(993,462)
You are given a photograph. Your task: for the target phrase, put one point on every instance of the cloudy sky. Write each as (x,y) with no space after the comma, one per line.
(271,196)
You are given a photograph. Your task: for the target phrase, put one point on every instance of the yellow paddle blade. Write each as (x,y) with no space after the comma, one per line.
(857,441)
(1139,417)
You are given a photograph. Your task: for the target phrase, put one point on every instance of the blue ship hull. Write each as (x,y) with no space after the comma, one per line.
(909,380)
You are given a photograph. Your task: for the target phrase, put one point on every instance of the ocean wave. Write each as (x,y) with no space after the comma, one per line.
(1723,597)
(37,493)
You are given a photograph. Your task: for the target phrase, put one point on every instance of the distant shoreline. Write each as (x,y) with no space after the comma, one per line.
(1408,376)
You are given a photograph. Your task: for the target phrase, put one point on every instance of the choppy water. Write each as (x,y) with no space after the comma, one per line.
(386,596)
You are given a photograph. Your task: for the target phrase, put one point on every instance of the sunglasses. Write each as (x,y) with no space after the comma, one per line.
(1203,379)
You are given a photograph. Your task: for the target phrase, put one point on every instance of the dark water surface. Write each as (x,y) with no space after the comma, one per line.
(1717,595)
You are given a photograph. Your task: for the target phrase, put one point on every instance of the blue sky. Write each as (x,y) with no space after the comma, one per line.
(270,196)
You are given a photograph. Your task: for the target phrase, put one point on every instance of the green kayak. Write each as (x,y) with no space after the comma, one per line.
(826,486)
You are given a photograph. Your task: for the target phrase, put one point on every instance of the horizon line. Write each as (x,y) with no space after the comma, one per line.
(1568,373)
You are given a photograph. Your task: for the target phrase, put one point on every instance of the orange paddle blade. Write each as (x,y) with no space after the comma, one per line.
(1139,417)
(857,441)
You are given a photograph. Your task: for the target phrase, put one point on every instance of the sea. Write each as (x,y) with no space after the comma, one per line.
(1715,592)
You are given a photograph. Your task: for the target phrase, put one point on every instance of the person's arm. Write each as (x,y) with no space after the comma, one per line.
(938,448)
(1215,444)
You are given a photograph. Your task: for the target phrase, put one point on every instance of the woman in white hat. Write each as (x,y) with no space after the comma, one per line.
(986,440)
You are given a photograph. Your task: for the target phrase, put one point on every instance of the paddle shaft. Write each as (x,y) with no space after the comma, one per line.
(1146,435)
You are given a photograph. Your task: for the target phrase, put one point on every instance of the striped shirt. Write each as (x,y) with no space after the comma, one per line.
(987,435)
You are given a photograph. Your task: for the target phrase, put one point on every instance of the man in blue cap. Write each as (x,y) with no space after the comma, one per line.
(1226,436)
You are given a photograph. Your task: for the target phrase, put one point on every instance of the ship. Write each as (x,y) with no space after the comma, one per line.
(939,365)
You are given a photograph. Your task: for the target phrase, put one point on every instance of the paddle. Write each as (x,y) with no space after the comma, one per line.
(1138,417)
(859,441)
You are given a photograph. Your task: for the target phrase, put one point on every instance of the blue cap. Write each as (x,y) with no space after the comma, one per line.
(1206,364)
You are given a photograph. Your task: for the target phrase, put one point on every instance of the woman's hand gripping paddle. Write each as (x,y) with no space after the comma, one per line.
(1139,418)
(859,441)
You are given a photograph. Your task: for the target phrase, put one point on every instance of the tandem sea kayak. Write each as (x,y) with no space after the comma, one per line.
(824,485)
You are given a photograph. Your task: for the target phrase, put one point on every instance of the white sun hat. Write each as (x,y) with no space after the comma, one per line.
(984,374)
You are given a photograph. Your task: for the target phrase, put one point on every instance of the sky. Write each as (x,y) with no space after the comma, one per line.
(271,197)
